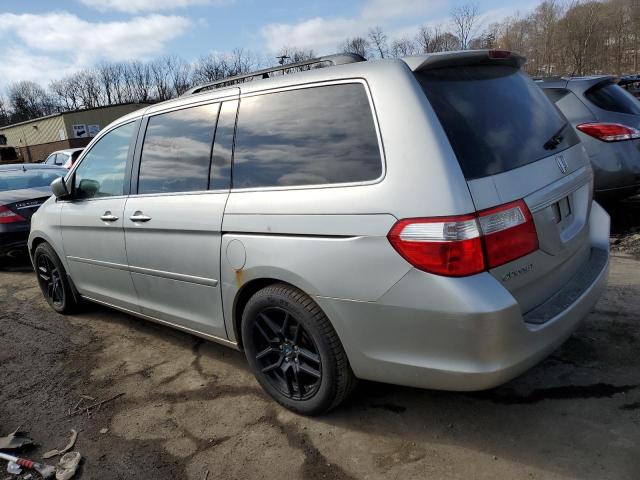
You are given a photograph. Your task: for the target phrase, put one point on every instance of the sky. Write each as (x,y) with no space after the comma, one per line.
(47,39)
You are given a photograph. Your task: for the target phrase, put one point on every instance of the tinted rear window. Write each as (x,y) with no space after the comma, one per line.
(613,98)
(495,117)
(176,153)
(307,136)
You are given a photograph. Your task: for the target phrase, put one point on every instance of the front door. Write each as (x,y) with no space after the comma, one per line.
(173,218)
(92,221)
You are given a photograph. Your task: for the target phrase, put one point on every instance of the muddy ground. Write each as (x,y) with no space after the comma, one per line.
(190,406)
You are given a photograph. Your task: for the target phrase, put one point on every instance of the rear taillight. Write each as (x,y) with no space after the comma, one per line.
(497,54)
(9,216)
(508,232)
(466,244)
(609,132)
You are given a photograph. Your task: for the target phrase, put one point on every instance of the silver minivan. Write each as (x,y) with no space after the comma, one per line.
(425,221)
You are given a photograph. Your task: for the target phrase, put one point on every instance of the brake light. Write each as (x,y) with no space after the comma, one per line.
(444,245)
(466,244)
(609,132)
(9,216)
(509,232)
(496,54)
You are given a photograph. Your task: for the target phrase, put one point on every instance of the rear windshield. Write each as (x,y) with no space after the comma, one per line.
(613,98)
(496,118)
(32,178)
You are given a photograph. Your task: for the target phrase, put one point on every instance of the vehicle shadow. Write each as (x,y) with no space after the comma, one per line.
(17,264)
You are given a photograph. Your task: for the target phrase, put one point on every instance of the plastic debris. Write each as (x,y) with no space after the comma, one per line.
(68,465)
(104,430)
(46,471)
(13,468)
(15,439)
(69,446)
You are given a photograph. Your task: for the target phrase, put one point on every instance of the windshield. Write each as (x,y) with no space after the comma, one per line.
(33,178)
(495,117)
(613,98)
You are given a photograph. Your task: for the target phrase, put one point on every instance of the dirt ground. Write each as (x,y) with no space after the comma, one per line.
(190,406)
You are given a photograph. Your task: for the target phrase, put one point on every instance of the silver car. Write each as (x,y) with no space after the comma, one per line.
(415,221)
(63,158)
(607,120)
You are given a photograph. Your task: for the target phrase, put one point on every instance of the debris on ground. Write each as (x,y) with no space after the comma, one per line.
(13,468)
(15,439)
(79,408)
(55,452)
(46,471)
(629,244)
(68,465)
(104,430)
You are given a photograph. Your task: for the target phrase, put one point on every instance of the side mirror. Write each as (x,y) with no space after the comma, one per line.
(59,188)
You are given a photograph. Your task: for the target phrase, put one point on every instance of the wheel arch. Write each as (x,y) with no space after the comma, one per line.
(244,293)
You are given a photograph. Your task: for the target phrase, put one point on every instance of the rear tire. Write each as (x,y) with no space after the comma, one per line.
(294,351)
(53,281)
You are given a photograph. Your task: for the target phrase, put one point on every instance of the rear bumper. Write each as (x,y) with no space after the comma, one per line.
(13,238)
(462,333)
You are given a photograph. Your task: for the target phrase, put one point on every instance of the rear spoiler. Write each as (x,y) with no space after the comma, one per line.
(463,58)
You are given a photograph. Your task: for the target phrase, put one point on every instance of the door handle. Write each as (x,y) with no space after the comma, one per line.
(108,217)
(139,217)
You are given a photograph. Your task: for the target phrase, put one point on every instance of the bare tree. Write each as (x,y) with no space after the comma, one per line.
(403,47)
(29,100)
(378,41)
(357,45)
(464,19)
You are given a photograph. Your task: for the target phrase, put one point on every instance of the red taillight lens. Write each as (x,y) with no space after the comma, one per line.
(466,244)
(509,232)
(9,216)
(609,132)
(448,246)
(499,54)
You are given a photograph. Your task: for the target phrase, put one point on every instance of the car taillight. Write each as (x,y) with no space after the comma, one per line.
(508,232)
(446,245)
(498,54)
(609,132)
(466,244)
(9,216)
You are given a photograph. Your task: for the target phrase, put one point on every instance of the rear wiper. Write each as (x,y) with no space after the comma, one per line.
(556,139)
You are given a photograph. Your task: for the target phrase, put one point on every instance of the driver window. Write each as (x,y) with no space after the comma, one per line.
(102,171)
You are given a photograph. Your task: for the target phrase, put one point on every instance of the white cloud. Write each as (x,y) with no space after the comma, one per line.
(319,33)
(134,6)
(399,19)
(45,46)
(324,33)
(375,11)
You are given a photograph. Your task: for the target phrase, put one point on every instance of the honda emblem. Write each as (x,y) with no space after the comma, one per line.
(562,164)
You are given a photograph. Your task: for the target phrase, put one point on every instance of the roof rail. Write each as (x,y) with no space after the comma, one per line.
(337,59)
(549,78)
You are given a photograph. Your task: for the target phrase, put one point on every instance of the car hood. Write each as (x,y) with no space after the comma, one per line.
(12,196)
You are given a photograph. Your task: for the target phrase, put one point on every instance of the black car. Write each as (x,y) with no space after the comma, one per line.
(23,188)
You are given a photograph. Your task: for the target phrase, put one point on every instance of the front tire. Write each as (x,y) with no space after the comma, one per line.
(294,351)
(53,281)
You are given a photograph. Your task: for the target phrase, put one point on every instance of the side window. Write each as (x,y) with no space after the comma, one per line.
(176,153)
(102,171)
(309,136)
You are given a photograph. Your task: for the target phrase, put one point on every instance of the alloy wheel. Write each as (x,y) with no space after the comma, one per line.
(286,354)
(50,281)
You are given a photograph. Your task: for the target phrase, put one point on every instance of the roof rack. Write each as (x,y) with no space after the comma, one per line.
(337,59)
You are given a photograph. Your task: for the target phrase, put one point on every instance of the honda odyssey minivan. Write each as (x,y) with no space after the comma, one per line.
(425,221)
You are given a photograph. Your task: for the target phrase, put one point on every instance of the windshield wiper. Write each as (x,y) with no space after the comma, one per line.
(556,139)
